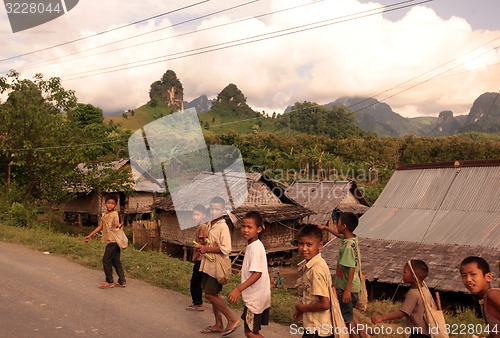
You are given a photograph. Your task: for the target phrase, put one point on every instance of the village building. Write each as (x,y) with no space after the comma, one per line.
(439,213)
(281,215)
(327,197)
(89,203)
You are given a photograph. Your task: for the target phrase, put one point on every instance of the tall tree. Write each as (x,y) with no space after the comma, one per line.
(36,140)
(43,130)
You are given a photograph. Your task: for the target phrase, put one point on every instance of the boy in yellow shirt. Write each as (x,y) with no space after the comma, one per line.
(218,243)
(109,223)
(314,308)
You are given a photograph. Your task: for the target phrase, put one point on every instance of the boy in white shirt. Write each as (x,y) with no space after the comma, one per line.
(255,286)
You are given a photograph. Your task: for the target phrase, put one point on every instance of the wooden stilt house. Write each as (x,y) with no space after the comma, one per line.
(281,215)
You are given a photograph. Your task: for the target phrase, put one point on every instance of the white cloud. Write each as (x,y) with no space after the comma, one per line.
(360,57)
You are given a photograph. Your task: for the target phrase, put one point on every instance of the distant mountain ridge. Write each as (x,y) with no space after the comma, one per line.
(484,115)
(379,117)
(202,104)
(166,96)
(372,115)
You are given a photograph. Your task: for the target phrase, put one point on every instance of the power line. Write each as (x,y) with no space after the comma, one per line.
(106,31)
(241,41)
(427,72)
(123,139)
(239,121)
(139,35)
(424,81)
(489,110)
(416,77)
(470,70)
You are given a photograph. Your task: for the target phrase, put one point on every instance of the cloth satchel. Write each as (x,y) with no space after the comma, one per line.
(120,238)
(433,316)
(340,329)
(223,268)
(362,301)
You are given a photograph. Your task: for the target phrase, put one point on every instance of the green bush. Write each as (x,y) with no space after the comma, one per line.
(19,215)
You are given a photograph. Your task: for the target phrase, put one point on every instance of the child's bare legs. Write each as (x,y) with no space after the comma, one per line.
(219,325)
(220,308)
(360,331)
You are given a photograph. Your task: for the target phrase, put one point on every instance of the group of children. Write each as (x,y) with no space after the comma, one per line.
(212,249)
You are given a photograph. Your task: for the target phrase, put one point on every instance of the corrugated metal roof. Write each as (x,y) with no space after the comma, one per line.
(383,261)
(475,189)
(438,205)
(394,224)
(422,189)
(475,228)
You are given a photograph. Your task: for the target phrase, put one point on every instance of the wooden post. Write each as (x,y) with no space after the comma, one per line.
(8,177)
(184,257)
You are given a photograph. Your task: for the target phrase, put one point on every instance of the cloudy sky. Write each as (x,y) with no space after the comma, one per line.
(422,59)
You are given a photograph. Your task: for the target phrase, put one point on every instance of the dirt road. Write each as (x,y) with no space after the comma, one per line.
(42,295)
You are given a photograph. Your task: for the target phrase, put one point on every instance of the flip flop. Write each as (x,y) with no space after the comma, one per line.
(195,308)
(229,331)
(210,329)
(106,285)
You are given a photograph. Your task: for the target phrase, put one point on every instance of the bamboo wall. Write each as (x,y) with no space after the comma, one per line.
(139,203)
(147,233)
(170,230)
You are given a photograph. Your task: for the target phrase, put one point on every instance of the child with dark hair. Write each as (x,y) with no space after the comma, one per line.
(315,284)
(346,279)
(200,235)
(255,286)
(214,276)
(109,223)
(413,306)
(476,276)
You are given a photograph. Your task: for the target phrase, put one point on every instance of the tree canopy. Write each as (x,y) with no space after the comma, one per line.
(312,118)
(45,134)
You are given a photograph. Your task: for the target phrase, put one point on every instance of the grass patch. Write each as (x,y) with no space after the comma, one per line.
(166,272)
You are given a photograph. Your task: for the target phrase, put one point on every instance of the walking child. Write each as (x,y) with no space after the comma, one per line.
(346,279)
(200,235)
(316,282)
(219,245)
(477,277)
(255,286)
(110,223)
(413,306)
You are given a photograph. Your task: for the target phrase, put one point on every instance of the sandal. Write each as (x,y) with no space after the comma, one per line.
(124,284)
(106,285)
(193,307)
(229,331)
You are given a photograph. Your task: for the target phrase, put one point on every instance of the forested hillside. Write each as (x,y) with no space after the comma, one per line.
(45,133)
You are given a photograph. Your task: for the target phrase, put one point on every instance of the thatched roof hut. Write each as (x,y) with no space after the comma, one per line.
(324,197)
(90,204)
(280,214)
